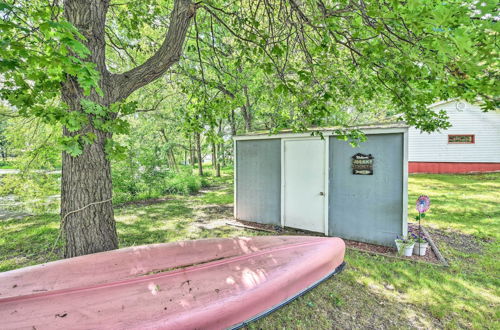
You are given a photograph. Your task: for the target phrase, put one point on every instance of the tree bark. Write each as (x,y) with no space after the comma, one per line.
(174,161)
(218,149)
(168,54)
(217,167)
(198,153)
(232,123)
(222,154)
(87,224)
(191,153)
(87,219)
(247,110)
(86,208)
(214,158)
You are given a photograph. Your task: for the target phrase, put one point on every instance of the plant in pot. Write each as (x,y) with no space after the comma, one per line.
(421,245)
(405,245)
(423,205)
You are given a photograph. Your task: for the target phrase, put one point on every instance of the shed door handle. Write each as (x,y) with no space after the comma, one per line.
(322,193)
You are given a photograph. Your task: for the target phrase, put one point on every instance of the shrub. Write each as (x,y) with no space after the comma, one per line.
(134,182)
(183,184)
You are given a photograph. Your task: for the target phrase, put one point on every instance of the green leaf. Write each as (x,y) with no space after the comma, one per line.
(71,145)
(93,108)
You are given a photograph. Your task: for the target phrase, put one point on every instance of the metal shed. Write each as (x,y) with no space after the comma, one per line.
(325,185)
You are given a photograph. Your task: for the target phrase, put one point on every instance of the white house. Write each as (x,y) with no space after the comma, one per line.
(471,144)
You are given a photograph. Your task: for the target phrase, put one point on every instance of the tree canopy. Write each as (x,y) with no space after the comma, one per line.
(214,68)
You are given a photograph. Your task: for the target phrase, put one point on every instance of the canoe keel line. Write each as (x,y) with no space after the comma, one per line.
(289,300)
(208,284)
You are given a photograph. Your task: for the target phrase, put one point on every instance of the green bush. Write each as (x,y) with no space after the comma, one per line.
(183,183)
(132,182)
(6,164)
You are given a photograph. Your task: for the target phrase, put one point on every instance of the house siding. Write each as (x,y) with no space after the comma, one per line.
(434,147)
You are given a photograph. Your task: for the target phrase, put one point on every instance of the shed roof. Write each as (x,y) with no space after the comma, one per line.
(374,128)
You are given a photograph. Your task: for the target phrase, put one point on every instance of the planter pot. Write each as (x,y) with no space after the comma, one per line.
(420,250)
(398,246)
(406,250)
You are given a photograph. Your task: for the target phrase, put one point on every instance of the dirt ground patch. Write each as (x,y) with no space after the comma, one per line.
(218,211)
(212,216)
(430,256)
(458,241)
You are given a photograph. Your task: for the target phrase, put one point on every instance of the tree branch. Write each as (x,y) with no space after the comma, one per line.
(168,54)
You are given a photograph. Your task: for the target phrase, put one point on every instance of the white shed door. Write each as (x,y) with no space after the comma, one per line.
(304,184)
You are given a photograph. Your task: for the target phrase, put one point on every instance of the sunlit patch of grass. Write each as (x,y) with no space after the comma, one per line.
(224,196)
(170,221)
(468,203)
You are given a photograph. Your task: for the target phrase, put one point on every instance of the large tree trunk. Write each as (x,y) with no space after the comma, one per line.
(86,191)
(87,220)
(88,223)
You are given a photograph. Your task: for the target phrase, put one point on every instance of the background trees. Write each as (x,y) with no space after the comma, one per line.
(242,65)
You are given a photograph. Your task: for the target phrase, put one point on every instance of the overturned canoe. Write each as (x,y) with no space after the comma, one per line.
(202,284)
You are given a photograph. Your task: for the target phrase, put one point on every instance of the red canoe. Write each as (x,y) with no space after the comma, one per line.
(202,284)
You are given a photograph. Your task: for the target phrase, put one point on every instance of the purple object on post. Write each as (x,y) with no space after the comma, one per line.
(423,204)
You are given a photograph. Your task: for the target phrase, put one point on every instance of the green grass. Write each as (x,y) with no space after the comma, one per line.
(372,292)
(467,203)
(378,292)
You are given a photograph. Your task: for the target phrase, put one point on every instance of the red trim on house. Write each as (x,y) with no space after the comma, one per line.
(441,167)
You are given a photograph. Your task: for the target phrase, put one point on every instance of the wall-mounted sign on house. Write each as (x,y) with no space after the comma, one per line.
(362,164)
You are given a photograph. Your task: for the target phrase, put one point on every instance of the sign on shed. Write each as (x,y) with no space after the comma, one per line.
(362,164)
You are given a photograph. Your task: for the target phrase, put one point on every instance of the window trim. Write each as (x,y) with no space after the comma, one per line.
(473,138)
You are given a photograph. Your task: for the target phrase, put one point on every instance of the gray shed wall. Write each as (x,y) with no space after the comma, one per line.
(367,208)
(258,181)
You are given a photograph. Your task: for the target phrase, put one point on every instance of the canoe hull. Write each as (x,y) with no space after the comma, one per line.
(230,281)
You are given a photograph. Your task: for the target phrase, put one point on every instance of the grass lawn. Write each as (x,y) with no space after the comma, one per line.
(372,292)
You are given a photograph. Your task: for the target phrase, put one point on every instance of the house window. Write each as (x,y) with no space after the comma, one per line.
(461,139)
